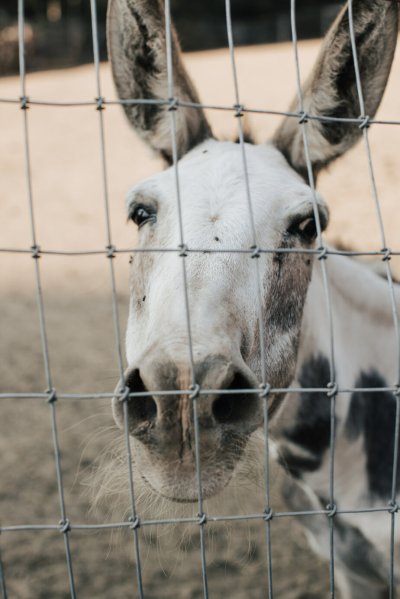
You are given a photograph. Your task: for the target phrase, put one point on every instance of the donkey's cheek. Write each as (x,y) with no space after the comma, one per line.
(287,290)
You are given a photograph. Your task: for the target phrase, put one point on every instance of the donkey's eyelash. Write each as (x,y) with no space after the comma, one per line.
(141,214)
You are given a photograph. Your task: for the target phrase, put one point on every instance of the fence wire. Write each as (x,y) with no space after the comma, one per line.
(134,522)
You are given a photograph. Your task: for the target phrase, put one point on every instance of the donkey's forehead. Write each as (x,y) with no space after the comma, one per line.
(214,174)
(222,164)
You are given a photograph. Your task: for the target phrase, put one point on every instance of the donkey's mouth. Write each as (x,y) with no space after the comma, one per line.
(165,496)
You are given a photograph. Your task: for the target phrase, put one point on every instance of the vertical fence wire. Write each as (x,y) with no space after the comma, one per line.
(2,578)
(195,387)
(256,255)
(52,397)
(332,387)
(135,522)
(374,191)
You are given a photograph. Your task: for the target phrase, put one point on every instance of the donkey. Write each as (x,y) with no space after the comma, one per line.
(222,294)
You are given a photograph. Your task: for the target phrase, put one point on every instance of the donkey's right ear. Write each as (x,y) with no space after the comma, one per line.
(137,49)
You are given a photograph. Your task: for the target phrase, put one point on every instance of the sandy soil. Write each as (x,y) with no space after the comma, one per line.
(69,214)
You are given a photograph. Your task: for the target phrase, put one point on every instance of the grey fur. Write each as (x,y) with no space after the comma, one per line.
(364,567)
(331,89)
(137,50)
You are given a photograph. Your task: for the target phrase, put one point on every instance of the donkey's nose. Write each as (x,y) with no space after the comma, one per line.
(141,409)
(226,396)
(236,403)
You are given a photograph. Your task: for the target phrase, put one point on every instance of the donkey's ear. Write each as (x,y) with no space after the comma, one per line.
(137,49)
(331,89)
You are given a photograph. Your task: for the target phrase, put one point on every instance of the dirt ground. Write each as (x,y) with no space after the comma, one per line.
(69,214)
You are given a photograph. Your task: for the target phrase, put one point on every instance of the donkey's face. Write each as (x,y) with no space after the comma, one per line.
(224,289)
(223,303)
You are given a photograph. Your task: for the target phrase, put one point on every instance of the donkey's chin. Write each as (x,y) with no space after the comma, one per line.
(187,491)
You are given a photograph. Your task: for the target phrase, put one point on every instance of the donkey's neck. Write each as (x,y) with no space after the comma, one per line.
(363,325)
(365,356)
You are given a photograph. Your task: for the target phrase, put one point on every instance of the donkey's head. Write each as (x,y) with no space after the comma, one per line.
(212,210)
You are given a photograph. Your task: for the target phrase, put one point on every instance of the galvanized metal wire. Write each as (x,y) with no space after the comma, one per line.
(263,383)
(395,313)
(133,518)
(52,395)
(195,387)
(134,521)
(332,393)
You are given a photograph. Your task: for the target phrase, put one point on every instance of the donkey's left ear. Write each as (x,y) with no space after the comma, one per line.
(332,90)
(137,49)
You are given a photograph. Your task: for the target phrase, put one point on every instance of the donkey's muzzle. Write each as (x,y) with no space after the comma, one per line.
(162,395)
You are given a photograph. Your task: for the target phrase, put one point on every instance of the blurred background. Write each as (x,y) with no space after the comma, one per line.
(58,32)
(68,199)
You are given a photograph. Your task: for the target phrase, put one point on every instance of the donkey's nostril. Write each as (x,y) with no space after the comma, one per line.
(142,408)
(233,408)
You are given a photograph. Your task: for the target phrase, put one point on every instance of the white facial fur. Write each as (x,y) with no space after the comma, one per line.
(215,215)
(222,291)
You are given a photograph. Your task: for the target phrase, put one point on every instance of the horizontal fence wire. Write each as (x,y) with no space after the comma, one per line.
(323,253)
(173,392)
(100,103)
(263,517)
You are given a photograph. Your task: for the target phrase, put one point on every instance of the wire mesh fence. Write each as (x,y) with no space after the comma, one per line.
(134,521)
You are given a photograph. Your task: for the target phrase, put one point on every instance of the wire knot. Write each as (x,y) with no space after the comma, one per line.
(323,253)
(100,101)
(397,392)
(268,515)
(256,251)
(394,507)
(332,510)
(51,395)
(333,389)
(24,102)
(35,251)
(183,250)
(365,122)
(265,389)
(239,110)
(65,526)
(134,522)
(195,391)
(173,104)
(202,519)
(124,394)
(111,249)
(387,254)
(303,118)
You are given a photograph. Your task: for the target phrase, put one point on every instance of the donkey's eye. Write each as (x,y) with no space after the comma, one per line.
(142,215)
(306,229)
